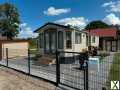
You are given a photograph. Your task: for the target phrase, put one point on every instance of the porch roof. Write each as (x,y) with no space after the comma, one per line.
(62,26)
(50,23)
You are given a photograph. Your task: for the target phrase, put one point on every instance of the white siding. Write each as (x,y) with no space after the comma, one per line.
(96,43)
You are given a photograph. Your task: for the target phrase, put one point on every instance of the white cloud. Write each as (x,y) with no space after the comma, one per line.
(112,19)
(112,6)
(53,11)
(74,21)
(107,4)
(26,32)
(23,25)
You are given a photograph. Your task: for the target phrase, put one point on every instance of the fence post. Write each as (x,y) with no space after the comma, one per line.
(7,57)
(57,68)
(86,86)
(28,61)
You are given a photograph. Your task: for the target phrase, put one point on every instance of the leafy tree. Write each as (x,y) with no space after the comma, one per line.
(9,20)
(96,24)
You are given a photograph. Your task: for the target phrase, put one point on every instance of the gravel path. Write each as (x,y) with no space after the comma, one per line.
(12,80)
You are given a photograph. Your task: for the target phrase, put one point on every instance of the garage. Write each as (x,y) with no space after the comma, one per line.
(14,48)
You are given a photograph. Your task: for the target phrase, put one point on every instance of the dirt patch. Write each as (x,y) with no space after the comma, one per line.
(12,80)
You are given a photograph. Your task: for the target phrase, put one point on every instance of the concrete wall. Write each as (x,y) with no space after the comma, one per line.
(15,49)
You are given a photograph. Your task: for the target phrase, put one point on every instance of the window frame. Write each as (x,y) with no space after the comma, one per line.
(68,42)
(78,38)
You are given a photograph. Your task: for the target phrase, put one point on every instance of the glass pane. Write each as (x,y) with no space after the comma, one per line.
(41,40)
(47,41)
(60,40)
(78,38)
(53,42)
(68,40)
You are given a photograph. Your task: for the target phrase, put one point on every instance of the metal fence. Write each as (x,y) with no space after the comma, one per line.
(71,69)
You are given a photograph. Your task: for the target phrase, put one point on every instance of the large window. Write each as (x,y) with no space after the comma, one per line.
(60,40)
(78,38)
(41,40)
(93,39)
(68,40)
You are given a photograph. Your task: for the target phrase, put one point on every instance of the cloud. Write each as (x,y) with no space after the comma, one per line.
(52,11)
(112,6)
(112,19)
(107,4)
(74,21)
(23,25)
(26,32)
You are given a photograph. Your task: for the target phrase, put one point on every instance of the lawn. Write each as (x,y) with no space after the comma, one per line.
(115,68)
(114,73)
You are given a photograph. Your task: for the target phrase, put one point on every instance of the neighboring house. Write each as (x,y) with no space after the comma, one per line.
(54,37)
(109,38)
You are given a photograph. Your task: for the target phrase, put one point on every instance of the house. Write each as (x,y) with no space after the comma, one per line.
(109,38)
(54,37)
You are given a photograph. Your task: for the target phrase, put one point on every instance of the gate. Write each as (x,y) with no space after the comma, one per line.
(72,69)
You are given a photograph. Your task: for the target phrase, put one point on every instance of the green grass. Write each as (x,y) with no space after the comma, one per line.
(114,73)
(33,52)
(103,55)
(115,68)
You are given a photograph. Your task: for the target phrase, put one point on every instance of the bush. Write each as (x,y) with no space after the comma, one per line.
(104,54)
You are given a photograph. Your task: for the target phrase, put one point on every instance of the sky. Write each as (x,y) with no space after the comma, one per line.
(35,13)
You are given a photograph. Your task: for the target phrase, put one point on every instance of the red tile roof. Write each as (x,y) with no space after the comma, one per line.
(108,32)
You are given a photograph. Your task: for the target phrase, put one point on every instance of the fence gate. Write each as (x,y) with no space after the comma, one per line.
(72,70)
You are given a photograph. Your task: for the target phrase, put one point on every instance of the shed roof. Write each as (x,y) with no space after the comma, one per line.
(13,41)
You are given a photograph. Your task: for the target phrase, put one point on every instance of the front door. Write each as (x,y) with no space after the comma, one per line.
(50,42)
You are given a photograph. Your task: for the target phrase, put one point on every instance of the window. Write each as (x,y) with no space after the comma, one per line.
(41,40)
(78,38)
(60,40)
(68,40)
(93,39)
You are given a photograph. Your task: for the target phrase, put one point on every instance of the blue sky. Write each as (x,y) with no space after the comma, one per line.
(34,13)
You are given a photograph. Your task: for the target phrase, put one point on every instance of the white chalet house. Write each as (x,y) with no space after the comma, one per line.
(54,37)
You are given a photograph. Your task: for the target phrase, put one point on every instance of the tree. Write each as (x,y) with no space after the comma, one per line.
(9,20)
(32,43)
(96,24)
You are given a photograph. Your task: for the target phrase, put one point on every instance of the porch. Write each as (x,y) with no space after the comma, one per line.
(51,40)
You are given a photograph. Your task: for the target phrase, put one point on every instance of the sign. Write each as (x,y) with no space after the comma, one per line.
(115,85)
(94,63)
